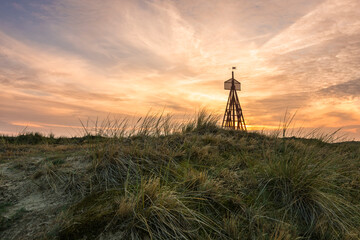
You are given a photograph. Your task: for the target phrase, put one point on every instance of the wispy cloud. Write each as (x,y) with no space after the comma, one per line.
(89,58)
(348,90)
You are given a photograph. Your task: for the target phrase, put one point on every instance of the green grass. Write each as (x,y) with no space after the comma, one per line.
(198,181)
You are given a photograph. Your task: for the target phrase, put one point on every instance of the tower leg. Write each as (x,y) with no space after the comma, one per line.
(233,116)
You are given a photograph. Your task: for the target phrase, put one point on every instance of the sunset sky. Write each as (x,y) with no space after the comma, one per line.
(65,60)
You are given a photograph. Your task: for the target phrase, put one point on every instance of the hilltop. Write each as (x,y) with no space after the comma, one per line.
(199,182)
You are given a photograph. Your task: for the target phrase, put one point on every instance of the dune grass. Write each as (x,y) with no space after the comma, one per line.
(168,180)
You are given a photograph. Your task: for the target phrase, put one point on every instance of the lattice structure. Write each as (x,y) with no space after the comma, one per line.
(233,117)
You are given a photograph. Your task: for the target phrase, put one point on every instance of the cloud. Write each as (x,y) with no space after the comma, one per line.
(87,58)
(349,89)
(332,18)
(341,115)
(319,50)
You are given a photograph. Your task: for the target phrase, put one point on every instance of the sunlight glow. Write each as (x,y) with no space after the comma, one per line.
(64,60)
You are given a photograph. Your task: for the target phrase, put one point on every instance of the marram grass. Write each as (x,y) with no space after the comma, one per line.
(164,180)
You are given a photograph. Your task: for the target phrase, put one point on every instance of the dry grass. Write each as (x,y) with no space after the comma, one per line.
(168,180)
(149,211)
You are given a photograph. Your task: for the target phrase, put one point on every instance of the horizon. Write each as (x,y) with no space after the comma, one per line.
(61,61)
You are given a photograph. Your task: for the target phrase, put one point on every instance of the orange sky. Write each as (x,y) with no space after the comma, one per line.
(61,61)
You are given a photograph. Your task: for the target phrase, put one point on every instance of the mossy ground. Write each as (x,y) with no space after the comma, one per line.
(201,182)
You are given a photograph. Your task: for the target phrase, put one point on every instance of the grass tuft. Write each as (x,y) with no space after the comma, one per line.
(148,211)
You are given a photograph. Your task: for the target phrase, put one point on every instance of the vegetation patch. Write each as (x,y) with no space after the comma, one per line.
(185,181)
(147,211)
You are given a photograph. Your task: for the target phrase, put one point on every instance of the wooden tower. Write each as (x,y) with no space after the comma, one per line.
(233,117)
